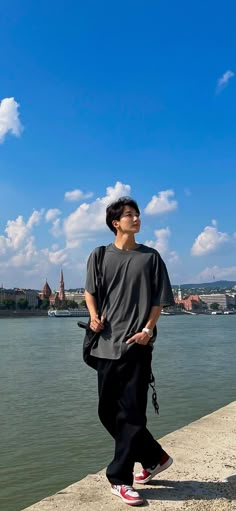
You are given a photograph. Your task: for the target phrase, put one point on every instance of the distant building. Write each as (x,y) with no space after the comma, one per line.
(75,296)
(179,294)
(46,292)
(189,303)
(6,294)
(222,299)
(32,298)
(231,299)
(20,294)
(56,299)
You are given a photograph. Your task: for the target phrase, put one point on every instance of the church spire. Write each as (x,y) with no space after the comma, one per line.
(179,293)
(62,289)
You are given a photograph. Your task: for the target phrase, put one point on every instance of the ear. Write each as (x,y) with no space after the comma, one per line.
(115,223)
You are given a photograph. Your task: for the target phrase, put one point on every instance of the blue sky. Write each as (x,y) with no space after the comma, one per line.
(102,100)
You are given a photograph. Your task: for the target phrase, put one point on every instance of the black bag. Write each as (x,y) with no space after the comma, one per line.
(91,338)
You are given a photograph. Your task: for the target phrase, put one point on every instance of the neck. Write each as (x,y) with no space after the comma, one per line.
(125,242)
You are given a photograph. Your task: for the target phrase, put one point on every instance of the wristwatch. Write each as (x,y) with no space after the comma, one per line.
(148,331)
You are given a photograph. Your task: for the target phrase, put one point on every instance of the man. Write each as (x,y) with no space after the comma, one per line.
(135,287)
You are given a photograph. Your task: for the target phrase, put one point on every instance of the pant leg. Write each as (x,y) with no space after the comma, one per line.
(107,392)
(133,442)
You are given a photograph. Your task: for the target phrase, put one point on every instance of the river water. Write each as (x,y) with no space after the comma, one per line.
(50,435)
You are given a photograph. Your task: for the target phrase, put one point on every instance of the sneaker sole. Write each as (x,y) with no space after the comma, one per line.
(159,469)
(137,502)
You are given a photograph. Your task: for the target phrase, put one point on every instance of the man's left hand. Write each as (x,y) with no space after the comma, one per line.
(139,338)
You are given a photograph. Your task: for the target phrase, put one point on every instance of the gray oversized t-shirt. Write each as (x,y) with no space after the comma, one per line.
(133,281)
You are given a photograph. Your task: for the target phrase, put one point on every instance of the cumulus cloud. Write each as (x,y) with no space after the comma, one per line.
(209,240)
(35,218)
(27,256)
(51,214)
(3,245)
(161,244)
(76,195)
(18,230)
(161,203)
(224,80)
(56,229)
(56,257)
(217,273)
(9,118)
(91,217)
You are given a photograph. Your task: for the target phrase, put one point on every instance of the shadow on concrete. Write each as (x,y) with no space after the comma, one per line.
(190,490)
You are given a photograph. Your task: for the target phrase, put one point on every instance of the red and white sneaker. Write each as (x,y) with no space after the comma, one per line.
(148,473)
(128,494)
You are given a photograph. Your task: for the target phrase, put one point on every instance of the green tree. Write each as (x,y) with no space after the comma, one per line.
(83,304)
(44,305)
(214,306)
(22,303)
(9,303)
(72,304)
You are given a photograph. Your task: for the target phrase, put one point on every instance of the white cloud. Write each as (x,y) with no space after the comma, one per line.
(3,244)
(27,256)
(217,273)
(35,218)
(72,244)
(161,244)
(91,217)
(161,204)
(51,214)
(56,229)
(56,257)
(224,80)
(76,195)
(17,230)
(9,118)
(209,240)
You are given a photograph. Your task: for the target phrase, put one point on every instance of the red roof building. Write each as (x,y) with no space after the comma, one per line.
(189,303)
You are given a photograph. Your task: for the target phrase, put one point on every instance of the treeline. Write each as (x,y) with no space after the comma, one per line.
(23,304)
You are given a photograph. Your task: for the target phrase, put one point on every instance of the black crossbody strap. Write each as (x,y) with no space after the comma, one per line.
(101,254)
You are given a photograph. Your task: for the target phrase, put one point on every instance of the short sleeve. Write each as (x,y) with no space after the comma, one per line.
(162,291)
(91,280)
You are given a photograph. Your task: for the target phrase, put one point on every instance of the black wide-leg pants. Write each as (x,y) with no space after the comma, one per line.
(123,388)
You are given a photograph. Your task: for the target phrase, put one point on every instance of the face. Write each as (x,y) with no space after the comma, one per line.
(129,221)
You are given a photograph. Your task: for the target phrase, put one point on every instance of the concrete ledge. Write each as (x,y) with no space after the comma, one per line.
(203,476)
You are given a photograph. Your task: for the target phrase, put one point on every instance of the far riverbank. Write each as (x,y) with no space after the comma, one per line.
(22,314)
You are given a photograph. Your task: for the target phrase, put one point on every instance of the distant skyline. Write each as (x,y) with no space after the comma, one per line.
(99,101)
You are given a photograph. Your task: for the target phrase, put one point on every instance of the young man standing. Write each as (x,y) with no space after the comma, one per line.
(135,287)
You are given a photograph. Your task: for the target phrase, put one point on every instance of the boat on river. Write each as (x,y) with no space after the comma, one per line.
(68,313)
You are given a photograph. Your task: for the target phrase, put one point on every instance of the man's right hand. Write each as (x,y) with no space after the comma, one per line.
(97,324)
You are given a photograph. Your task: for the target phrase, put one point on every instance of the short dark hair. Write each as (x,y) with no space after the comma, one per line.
(115,210)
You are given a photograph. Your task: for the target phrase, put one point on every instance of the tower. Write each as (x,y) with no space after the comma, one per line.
(46,291)
(179,294)
(62,290)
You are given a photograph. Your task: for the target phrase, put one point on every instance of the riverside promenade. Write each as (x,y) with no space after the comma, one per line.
(203,476)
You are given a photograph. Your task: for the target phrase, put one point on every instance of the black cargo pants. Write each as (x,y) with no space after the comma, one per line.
(123,388)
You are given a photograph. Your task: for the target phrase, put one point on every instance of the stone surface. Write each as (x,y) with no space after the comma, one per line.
(203,476)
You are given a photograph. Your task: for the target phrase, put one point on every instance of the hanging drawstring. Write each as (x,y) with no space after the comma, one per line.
(154,393)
